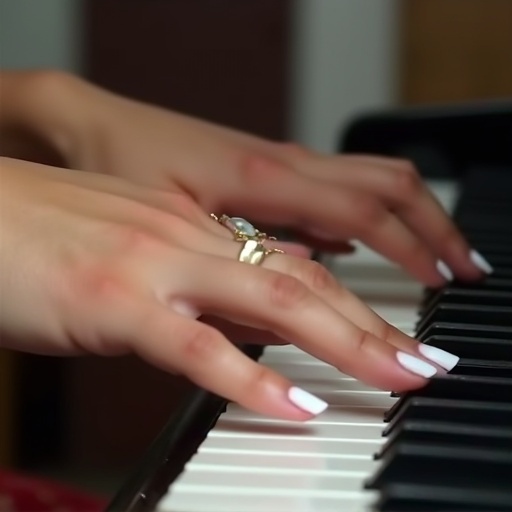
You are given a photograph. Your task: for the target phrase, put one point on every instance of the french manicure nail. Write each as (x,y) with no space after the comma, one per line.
(306,401)
(444,270)
(480,262)
(416,365)
(444,359)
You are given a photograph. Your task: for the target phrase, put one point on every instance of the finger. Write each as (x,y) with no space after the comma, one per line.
(317,278)
(398,182)
(325,243)
(282,304)
(177,344)
(348,214)
(291,248)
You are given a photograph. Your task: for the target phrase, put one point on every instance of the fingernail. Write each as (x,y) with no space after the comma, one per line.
(306,401)
(444,270)
(444,359)
(480,262)
(416,365)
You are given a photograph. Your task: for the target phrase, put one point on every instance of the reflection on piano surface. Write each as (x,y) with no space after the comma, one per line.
(447,446)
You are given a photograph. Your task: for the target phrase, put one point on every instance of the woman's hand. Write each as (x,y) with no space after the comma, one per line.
(330,200)
(95,264)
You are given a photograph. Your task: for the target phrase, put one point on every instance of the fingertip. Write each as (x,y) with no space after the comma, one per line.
(282,399)
(306,401)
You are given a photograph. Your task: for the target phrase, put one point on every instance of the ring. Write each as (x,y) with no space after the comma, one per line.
(242,229)
(254,252)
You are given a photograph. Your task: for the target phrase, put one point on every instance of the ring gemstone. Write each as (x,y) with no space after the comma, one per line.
(243,226)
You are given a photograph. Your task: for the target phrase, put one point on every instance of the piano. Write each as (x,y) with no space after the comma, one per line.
(445,447)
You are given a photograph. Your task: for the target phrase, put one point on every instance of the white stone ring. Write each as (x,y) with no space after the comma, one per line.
(242,229)
(253,251)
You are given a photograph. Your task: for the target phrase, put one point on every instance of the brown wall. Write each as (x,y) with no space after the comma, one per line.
(455,50)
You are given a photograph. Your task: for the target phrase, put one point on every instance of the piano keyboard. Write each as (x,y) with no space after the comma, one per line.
(446,447)
(249,463)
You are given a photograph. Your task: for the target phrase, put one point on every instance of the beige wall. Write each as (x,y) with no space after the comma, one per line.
(345,61)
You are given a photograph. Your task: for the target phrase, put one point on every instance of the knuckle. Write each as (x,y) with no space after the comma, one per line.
(296,150)
(416,251)
(286,292)
(200,343)
(315,275)
(363,340)
(258,378)
(368,213)
(448,235)
(133,239)
(384,331)
(259,170)
(84,283)
(407,181)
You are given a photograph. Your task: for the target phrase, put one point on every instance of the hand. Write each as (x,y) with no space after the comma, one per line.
(95,264)
(330,200)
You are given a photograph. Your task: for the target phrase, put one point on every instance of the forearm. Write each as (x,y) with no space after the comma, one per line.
(35,120)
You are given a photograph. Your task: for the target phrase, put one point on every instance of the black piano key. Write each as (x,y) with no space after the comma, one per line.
(448,434)
(486,222)
(470,412)
(501,332)
(490,282)
(479,296)
(502,272)
(487,244)
(466,467)
(449,443)
(466,387)
(499,260)
(484,368)
(470,313)
(468,347)
(438,498)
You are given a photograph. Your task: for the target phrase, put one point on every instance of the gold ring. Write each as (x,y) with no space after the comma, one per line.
(254,252)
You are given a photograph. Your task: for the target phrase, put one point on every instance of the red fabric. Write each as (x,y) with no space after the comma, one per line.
(20,493)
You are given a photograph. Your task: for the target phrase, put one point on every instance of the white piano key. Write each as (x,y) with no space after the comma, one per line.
(297,444)
(187,499)
(243,461)
(307,371)
(337,415)
(319,481)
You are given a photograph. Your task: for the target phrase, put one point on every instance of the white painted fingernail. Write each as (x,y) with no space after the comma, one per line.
(416,365)
(444,359)
(306,401)
(444,270)
(480,262)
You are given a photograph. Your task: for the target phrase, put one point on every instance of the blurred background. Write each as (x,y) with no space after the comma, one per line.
(285,69)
